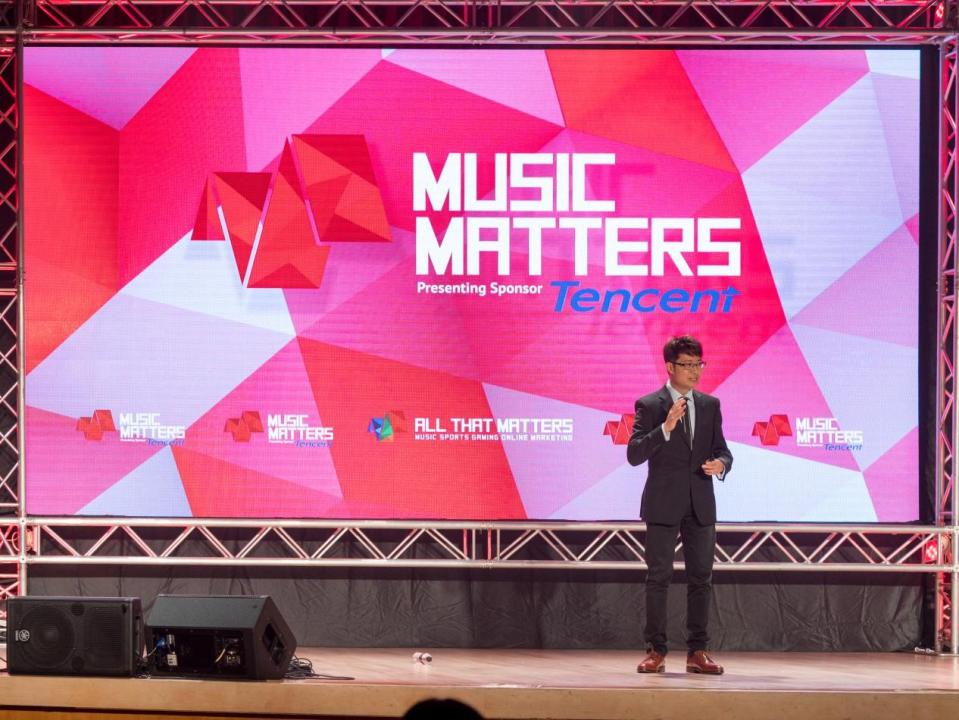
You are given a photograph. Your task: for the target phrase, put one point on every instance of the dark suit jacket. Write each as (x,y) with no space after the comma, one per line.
(675,470)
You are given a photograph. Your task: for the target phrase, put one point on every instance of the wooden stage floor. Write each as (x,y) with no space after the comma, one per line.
(521,684)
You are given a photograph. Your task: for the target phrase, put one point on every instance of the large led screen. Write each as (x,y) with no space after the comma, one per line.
(371,283)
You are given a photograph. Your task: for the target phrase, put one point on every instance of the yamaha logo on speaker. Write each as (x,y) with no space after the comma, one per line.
(22,636)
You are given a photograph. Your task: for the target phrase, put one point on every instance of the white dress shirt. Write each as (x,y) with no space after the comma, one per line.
(675,395)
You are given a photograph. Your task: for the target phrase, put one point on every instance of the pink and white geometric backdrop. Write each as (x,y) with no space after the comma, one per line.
(225,315)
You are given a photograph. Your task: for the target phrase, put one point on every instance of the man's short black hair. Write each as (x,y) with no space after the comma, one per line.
(676,346)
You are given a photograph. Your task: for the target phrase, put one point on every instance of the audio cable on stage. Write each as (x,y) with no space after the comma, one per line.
(302,669)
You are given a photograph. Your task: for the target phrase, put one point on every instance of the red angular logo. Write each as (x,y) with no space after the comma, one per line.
(243,427)
(770,432)
(619,430)
(280,224)
(95,425)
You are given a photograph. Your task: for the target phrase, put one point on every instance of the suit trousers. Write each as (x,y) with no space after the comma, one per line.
(698,547)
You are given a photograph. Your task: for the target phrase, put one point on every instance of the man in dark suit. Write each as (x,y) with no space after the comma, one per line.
(679,431)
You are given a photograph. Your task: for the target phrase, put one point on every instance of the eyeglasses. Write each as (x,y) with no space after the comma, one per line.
(691,365)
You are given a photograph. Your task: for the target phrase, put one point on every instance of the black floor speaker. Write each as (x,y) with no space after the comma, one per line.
(74,635)
(222,636)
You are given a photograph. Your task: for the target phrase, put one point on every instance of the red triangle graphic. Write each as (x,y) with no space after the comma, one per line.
(287,251)
(324,196)
(216,488)
(291,277)
(242,196)
(349,151)
(70,243)
(344,230)
(361,210)
(597,90)
(207,224)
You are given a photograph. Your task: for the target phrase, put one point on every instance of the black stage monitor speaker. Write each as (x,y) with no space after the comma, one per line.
(74,635)
(222,636)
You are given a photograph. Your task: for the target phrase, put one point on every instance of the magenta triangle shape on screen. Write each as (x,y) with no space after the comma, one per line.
(866,301)
(795,86)
(520,79)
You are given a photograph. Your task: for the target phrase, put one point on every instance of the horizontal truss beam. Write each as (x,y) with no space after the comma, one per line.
(449,36)
(560,21)
(751,547)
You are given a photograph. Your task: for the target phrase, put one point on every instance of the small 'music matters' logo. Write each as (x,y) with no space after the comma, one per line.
(95,425)
(619,430)
(279,429)
(243,427)
(776,427)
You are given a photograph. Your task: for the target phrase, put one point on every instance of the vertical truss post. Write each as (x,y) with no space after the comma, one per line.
(13,576)
(10,492)
(946,585)
(952,102)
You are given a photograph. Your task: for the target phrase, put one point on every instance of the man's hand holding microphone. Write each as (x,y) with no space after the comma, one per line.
(676,413)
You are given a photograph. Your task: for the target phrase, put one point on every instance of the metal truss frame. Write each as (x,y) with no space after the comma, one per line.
(12,567)
(606,546)
(392,22)
(947,500)
(31,541)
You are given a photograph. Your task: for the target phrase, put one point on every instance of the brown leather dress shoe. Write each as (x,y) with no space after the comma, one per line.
(700,662)
(652,663)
